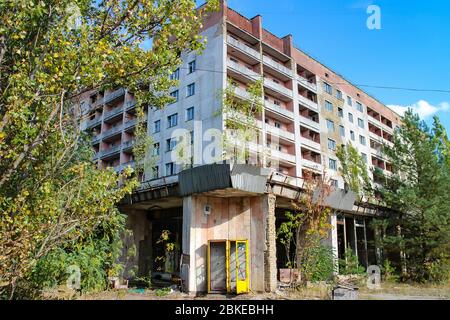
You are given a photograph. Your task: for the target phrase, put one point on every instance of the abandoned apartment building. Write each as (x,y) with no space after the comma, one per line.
(223,217)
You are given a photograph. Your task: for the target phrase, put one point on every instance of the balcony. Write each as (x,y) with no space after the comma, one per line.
(278,87)
(312,165)
(242,93)
(130,124)
(96,139)
(111,132)
(128,145)
(309,123)
(119,168)
(308,103)
(111,151)
(243,70)
(114,95)
(243,47)
(94,122)
(112,113)
(310,143)
(282,156)
(277,66)
(305,83)
(130,105)
(279,110)
(280,132)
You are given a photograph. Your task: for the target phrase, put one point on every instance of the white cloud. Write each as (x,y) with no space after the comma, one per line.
(423,108)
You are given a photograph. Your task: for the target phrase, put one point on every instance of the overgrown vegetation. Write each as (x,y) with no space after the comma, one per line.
(56,207)
(418,191)
(304,231)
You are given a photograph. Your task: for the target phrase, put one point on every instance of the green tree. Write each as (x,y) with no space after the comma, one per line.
(51,54)
(418,191)
(353,170)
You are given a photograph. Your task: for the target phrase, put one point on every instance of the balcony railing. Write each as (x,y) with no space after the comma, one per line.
(114,95)
(110,151)
(283,156)
(310,123)
(112,131)
(280,110)
(130,123)
(305,83)
(94,122)
(311,164)
(308,103)
(128,144)
(96,139)
(242,93)
(280,132)
(310,143)
(108,115)
(243,47)
(277,66)
(130,105)
(249,73)
(278,87)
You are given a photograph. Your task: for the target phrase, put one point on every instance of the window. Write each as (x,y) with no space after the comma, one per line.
(349,100)
(157,126)
(277,125)
(342,131)
(364,157)
(332,164)
(276,102)
(362,140)
(234,60)
(359,107)
(330,125)
(191,66)
(352,135)
(339,94)
(155,172)
(190,90)
(331,144)
(174,95)
(361,123)
(156,149)
(170,169)
(350,117)
(175,75)
(328,89)
(171,144)
(172,120)
(190,114)
(329,106)
(340,112)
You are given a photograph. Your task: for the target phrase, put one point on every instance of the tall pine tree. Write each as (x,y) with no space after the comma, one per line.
(418,191)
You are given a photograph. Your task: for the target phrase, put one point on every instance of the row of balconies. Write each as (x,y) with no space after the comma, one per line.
(274,65)
(114,131)
(117,149)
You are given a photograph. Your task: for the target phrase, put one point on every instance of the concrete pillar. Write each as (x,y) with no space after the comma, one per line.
(270,255)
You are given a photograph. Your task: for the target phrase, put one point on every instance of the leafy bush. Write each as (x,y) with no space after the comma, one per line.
(350,264)
(319,263)
(96,257)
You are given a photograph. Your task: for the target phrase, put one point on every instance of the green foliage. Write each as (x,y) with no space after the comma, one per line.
(353,170)
(388,271)
(318,264)
(52,197)
(162,292)
(350,264)
(418,193)
(240,119)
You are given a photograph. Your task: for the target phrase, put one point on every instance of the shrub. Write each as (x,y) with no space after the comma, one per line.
(350,264)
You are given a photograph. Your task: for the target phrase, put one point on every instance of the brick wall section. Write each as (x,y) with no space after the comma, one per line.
(270,255)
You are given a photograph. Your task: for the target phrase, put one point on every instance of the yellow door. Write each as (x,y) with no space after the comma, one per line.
(242,267)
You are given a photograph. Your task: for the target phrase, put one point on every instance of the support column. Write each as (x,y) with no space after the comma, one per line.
(270,254)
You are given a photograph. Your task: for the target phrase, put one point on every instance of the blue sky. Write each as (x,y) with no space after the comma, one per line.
(411,50)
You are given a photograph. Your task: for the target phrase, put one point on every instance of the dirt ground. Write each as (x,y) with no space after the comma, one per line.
(388,291)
